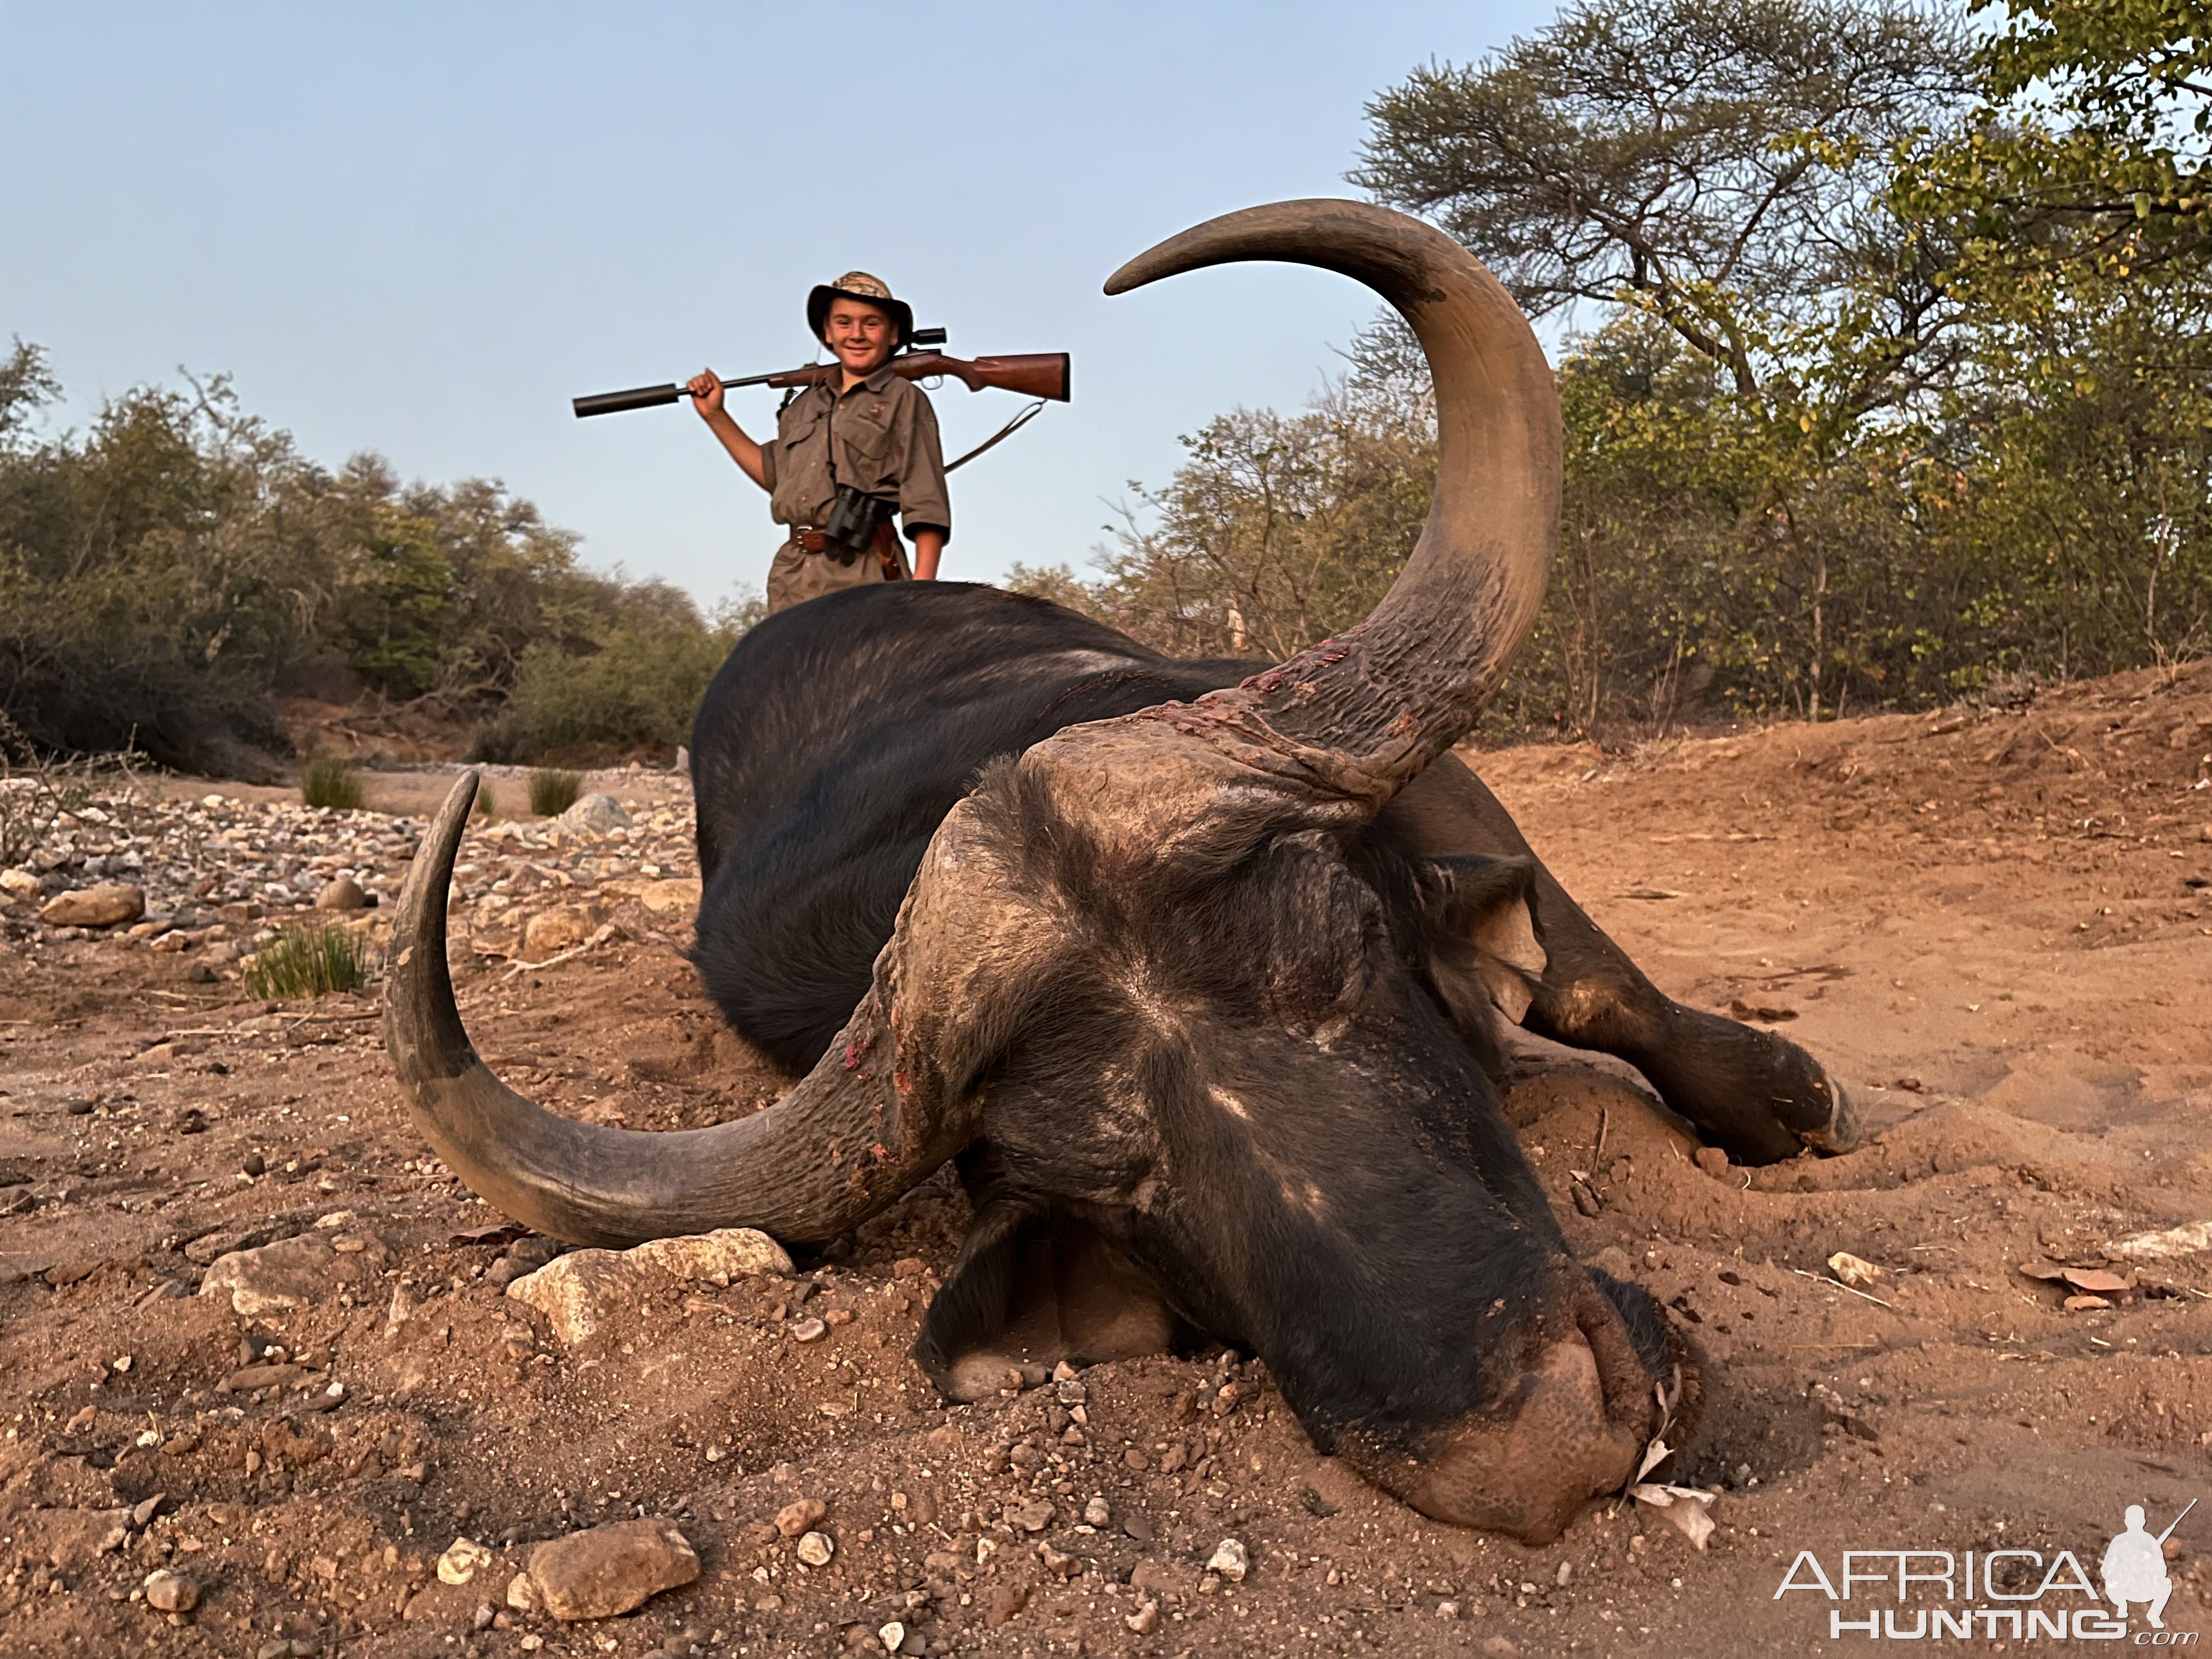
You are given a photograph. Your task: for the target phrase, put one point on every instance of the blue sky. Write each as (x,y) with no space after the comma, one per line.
(421,229)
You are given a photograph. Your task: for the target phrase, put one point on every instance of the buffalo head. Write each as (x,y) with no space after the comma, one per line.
(1164,977)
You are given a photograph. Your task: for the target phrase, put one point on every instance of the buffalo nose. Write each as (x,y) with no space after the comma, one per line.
(1572,1426)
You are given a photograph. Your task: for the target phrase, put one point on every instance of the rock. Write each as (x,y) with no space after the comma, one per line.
(800,1516)
(670,897)
(595,815)
(892,1636)
(1447,1609)
(344,894)
(170,1592)
(107,905)
(816,1548)
(20,884)
(1059,1563)
(1852,1270)
(551,931)
(1033,1517)
(522,1594)
(462,1559)
(2192,1239)
(584,1292)
(610,1570)
(1003,1601)
(1713,1161)
(289,1273)
(1145,1620)
(1097,1513)
(809,1330)
(1230,1560)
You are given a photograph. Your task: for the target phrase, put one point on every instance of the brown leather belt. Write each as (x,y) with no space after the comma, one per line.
(884,546)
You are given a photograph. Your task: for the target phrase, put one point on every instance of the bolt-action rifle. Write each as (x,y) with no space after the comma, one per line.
(1039,374)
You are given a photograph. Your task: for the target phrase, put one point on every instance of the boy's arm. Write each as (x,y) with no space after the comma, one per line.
(928,549)
(923,505)
(706,390)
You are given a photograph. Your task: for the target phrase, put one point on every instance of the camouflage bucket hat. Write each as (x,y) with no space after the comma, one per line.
(859,285)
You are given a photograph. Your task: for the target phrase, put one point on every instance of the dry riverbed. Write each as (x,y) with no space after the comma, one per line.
(260,1372)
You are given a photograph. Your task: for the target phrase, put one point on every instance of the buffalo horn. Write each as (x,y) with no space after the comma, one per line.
(1404,686)
(857,1132)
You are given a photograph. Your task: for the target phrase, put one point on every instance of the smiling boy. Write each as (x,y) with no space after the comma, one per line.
(866,428)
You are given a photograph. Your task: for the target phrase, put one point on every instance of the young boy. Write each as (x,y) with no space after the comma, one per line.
(866,428)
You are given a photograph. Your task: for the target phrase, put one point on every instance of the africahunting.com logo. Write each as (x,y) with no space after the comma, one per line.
(2010,1595)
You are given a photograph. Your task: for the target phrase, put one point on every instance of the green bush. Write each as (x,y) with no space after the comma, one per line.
(309,961)
(553,792)
(328,781)
(486,807)
(638,690)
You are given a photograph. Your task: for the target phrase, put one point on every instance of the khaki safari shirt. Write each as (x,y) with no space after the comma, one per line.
(880,437)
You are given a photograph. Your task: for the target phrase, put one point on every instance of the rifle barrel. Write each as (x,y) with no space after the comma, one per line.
(2178,1520)
(1041,376)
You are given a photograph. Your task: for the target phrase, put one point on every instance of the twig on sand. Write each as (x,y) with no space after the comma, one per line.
(1834,1286)
(605,933)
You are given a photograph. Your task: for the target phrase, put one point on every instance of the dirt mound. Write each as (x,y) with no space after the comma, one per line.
(1984,921)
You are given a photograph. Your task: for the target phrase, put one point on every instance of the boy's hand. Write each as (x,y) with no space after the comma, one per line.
(706,390)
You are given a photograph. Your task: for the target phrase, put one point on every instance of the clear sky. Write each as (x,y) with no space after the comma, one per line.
(421,229)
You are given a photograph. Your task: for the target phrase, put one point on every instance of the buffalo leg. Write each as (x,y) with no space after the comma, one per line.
(1760,1097)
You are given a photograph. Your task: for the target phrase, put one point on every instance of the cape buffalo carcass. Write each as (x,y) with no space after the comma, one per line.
(1197,971)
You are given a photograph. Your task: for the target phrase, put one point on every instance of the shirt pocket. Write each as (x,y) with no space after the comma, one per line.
(796,428)
(864,435)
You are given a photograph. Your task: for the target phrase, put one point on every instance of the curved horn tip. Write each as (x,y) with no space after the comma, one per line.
(1246,233)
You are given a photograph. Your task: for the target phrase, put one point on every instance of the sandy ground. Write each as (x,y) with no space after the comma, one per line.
(1991,924)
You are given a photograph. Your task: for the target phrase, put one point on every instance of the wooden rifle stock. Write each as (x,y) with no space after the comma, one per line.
(1036,374)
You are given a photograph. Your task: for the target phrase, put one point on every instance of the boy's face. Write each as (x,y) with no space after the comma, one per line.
(861,335)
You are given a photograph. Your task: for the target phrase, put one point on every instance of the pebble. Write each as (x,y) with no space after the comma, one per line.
(891,1636)
(105,906)
(463,1558)
(1230,1560)
(595,814)
(800,1516)
(344,894)
(606,1570)
(809,1330)
(586,1290)
(1097,1513)
(170,1592)
(1145,1620)
(816,1548)
(289,1273)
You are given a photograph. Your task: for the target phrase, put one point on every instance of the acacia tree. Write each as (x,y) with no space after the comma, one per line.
(1720,165)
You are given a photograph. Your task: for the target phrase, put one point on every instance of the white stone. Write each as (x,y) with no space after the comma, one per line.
(1230,1560)
(581,1293)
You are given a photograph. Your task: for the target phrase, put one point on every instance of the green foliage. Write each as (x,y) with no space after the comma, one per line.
(166,574)
(307,961)
(487,807)
(1877,403)
(553,792)
(628,678)
(1711,163)
(328,781)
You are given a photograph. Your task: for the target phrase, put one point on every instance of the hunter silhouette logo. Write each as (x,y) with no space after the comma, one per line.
(2007,1595)
(2134,1568)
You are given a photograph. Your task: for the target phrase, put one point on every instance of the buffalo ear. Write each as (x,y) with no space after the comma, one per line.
(1481,934)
